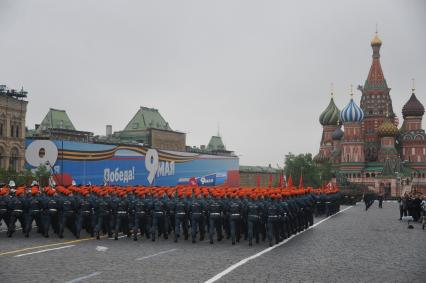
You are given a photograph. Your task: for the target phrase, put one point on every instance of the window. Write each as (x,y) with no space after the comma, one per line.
(13,162)
(1,129)
(17,132)
(12,128)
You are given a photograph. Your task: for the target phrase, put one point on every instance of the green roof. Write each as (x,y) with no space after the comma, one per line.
(258,169)
(373,169)
(147,118)
(216,143)
(56,119)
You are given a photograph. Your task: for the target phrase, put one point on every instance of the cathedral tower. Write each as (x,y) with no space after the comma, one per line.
(352,146)
(374,102)
(413,137)
(329,120)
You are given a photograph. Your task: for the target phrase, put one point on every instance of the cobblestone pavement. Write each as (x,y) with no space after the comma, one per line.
(353,246)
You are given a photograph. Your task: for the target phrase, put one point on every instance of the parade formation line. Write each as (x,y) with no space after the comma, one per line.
(43,251)
(245,260)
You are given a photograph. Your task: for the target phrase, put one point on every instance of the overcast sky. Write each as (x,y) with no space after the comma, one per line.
(261,69)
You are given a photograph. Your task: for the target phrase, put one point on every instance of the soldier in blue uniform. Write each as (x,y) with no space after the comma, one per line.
(215,212)
(273,221)
(159,218)
(102,210)
(181,218)
(234,212)
(4,206)
(16,208)
(196,211)
(121,215)
(253,220)
(141,216)
(65,213)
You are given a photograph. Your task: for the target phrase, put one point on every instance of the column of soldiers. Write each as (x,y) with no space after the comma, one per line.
(252,214)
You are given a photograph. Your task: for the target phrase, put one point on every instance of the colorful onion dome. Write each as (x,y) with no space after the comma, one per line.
(337,134)
(330,116)
(413,107)
(376,41)
(351,113)
(387,129)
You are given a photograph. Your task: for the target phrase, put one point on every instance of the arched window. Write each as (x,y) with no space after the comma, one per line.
(12,128)
(17,132)
(13,162)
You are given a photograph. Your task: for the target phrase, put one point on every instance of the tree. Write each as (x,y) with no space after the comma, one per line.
(42,174)
(26,177)
(313,175)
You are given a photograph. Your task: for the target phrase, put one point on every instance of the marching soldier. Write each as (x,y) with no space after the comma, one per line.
(235,219)
(215,218)
(16,207)
(181,219)
(196,208)
(159,218)
(4,206)
(273,221)
(253,220)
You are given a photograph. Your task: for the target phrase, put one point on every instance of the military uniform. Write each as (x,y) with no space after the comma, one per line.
(215,219)
(196,209)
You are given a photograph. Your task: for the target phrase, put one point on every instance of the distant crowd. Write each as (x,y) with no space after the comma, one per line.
(412,204)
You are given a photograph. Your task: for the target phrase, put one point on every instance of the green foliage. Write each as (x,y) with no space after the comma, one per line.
(42,174)
(313,175)
(25,178)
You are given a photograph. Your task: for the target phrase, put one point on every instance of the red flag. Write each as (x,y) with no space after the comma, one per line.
(290,182)
(301,185)
(280,182)
(193,181)
(270,180)
(258,180)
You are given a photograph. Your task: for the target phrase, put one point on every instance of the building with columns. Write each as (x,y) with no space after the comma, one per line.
(13,109)
(371,149)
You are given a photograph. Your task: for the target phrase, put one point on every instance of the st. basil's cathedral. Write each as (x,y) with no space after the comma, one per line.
(370,149)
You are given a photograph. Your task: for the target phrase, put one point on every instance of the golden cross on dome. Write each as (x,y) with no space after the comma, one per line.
(332,90)
(377,29)
(412,85)
(352,92)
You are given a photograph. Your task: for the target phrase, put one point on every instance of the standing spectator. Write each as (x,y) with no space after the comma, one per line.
(401,207)
(380,198)
(423,205)
(404,204)
(417,207)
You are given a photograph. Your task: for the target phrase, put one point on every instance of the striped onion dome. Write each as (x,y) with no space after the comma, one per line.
(351,113)
(330,116)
